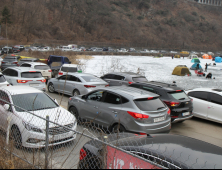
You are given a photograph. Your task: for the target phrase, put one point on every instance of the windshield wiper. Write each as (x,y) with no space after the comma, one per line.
(182,99)
(161,108)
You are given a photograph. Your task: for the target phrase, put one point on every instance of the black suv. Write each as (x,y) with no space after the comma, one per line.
(174,97)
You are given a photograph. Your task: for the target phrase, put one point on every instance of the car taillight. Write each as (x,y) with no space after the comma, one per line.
(15,62)
(43,81)
(50,71)
(8,84)
(60,73)
(143,134)
(3,62)
(172,104)
(88,86)
(107,86)
(82,154)
(23,81)
(138,115)
(169,112)
(130,82)
(174,117)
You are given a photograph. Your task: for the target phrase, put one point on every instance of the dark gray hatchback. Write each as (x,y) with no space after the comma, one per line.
(10,61)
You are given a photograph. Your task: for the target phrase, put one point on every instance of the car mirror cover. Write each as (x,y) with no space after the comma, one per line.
(6,107)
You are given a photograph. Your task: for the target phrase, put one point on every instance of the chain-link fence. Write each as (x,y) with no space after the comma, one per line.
(38,133)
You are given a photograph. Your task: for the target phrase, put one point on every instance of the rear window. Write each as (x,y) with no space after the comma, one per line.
(31,75)
(56,59)
(179,95)
(139,79)
(9,59)
(69,69)
(149,105)
(92,79)
(41,67)
(2,79)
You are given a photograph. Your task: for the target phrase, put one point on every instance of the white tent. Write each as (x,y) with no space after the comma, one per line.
(192,56)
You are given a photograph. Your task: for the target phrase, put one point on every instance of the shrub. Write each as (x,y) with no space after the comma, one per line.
(140,17)
(202,17)
(162,12)
(189,18)
(194,13)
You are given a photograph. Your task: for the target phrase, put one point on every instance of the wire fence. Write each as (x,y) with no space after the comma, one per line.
(38,133)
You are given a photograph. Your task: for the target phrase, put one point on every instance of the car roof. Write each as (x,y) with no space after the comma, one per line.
(35,63)
(214,90)
(24,59)
(80,74)
(130,91)
(164,86)
(69,65)
(126,74)
(13,90)
(23,69)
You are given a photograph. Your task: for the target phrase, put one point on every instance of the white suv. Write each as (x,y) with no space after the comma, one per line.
(28,130)
(43,68)
(25,76)
(207,103)
(70,68)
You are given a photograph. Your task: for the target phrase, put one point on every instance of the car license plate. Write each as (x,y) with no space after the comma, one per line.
(9,64)
(34,85)
(186,114)
(160,119)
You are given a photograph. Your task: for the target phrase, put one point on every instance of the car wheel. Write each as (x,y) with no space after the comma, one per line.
(16,137)
(76,93)
(118,128)
(75,112)
(51,88)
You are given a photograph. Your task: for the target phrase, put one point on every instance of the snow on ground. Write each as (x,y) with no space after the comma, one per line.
(155,69)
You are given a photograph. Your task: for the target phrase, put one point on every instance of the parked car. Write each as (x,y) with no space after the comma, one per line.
(207,103)
(23,76)
(132,50)
(210,53)
(66,48)
(7,50)
(98,50)
(122,50)
(169,151)
(67,68)
(75,84)
(10,61)
(76,49)
(154,51)
(43,68)
(20,47)
(92,49)
(25,60)
(123,109)
(173,52)
(3,81)
(175,98)
(124,78)
(16,50)
(28,130)
(145,51)
(82,48)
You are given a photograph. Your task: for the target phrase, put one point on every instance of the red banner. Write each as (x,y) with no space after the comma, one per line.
(119,160)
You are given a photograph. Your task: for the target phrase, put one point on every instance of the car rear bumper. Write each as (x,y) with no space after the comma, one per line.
(182,119)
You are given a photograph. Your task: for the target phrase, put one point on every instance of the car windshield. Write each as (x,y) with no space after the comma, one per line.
(31,75)
(92,79)
(179,95)
(33,102)
(42,67)
(2,79)
(69,69)
(139,79)
(154,104)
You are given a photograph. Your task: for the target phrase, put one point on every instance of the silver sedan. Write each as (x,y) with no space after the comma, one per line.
(75,84)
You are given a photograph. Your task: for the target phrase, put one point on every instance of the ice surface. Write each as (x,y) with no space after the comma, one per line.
(155,69)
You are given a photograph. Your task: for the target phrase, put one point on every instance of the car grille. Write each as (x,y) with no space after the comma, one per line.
(60,130)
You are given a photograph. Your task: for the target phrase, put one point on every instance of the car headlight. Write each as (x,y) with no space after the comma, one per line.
(32,128)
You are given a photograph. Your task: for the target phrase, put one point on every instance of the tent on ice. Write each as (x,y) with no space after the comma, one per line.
(192,56)
(218,59)
(181,71)
(206,56)
(195,60)
(194,67)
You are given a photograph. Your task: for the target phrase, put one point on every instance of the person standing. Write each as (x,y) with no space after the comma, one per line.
(206,66)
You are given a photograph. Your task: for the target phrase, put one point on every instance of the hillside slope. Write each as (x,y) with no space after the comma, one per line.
(147,23)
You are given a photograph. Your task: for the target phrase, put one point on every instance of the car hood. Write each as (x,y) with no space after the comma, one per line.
(58,115)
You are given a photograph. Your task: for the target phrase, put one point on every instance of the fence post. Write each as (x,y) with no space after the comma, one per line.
(47,143)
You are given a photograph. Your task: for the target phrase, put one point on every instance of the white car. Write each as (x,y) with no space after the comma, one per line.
(145,51)
(210,53)
(24,76)
(207,103)
(76,49)
(154,51)
(3,81)
(173,52)
(66,48)
(28,130)
(70,68)
(43,68)
(122,50)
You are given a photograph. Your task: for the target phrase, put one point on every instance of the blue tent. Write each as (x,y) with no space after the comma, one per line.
(194,67)
(218,59)
(195,60)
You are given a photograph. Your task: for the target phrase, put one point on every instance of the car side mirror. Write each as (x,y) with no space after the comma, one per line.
(84,97)
(6,107)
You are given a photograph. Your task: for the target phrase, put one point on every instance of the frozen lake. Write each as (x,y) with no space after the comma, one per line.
(155,69)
